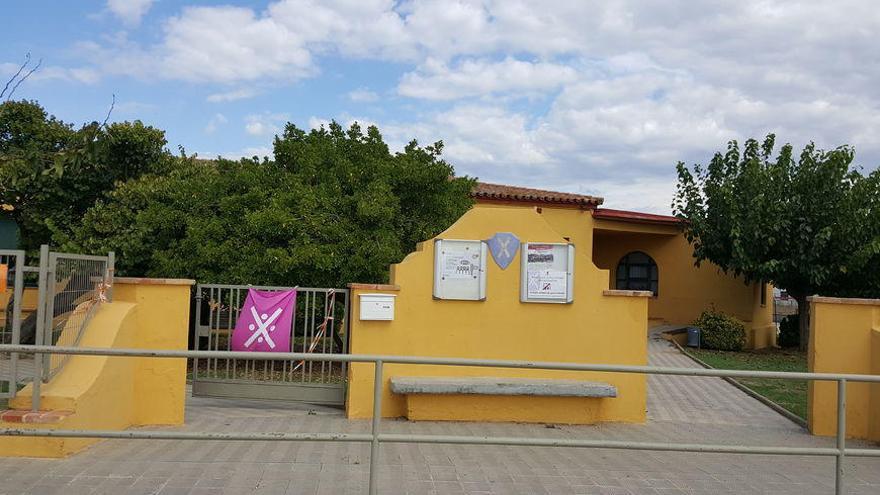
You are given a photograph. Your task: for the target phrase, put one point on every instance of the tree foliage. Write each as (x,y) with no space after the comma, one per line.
(334,206)
(51,173)
(808,224)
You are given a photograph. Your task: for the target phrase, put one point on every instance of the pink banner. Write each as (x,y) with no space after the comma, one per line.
(264,321)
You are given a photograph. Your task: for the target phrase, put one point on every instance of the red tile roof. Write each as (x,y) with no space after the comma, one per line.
(634,216)
(499,192)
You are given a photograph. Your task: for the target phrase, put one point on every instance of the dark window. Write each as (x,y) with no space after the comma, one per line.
(763,295)
(637,271)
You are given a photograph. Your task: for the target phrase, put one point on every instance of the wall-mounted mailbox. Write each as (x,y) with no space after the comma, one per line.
(377,307)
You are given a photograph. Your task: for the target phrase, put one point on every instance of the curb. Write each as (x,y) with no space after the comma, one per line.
(794,418)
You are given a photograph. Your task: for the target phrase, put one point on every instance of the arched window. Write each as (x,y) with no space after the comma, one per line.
(637,271)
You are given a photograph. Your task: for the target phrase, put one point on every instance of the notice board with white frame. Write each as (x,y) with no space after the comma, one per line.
(460,269)
(547,272)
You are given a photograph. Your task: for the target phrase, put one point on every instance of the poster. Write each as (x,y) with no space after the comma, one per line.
(460,269)
(547,272)
(543,280)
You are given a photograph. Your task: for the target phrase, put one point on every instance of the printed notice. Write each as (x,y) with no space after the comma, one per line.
(544,279)
(547,284)
(458,265)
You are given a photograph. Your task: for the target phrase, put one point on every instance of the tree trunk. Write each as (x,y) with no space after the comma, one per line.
(803,321)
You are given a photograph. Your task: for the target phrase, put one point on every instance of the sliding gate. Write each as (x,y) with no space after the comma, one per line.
(319,326)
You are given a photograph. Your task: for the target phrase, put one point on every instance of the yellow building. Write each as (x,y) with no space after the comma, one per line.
(644,251)
(618,274)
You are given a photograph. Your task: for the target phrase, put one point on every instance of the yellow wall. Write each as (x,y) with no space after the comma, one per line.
(595,328)
(684,290)
(844,338)
(114,393)
(29,302)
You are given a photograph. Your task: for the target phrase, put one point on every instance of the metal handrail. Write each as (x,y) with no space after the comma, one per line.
(375,438)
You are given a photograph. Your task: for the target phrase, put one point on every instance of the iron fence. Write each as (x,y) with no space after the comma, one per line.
(375,438)
(319,325)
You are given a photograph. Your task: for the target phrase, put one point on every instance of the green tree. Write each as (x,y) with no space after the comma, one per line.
(334,206)
(807,224)
(51,173)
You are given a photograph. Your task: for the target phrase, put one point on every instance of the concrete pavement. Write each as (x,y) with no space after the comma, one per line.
(680,409)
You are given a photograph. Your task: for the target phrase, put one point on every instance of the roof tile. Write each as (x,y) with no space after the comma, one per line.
(499,192)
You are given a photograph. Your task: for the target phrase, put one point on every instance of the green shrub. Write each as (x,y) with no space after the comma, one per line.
(720,331)
(789,332)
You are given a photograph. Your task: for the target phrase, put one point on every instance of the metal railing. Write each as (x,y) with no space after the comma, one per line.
(375,438)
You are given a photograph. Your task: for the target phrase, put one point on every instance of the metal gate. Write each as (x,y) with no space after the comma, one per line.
(320,325)
(12,262)
(75,285)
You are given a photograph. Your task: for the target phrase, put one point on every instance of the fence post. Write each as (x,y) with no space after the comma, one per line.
(111,269)
(841,435)
(377,416)
(40,331)
(17,296)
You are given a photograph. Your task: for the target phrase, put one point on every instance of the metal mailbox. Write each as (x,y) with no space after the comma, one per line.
(377,307)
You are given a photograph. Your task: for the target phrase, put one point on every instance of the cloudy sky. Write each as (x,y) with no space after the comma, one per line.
(592,97)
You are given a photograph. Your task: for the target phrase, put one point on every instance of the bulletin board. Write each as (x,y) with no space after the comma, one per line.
(547,272)
(460,269)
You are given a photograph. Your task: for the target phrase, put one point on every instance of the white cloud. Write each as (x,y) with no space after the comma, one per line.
(362,95)
(435,80)
(129,11)
(317,123)
(233,95)
(227,44)
(217,120)
(624,88)
(85,75)
(246,152)
(265,124)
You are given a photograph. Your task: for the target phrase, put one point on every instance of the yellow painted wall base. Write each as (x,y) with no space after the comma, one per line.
(844,338)
(761,337)
(520,409)
(114,393)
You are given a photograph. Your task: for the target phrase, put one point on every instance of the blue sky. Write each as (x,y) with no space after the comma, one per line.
(593,97)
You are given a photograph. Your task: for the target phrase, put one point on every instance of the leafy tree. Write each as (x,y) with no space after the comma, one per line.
(807,224)
(335,206)
(51,173)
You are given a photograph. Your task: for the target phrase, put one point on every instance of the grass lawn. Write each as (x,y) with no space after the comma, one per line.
(790,394)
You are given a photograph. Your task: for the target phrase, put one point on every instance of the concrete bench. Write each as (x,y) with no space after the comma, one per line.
(500,386)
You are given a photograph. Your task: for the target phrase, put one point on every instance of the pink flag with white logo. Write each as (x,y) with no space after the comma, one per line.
(264,321)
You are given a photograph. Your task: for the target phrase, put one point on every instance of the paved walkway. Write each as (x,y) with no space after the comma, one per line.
(681,409)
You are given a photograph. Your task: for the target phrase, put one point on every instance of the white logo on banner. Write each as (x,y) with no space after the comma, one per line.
(262,328)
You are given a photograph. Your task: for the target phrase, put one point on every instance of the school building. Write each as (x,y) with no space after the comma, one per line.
(536,275)
(644,251)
